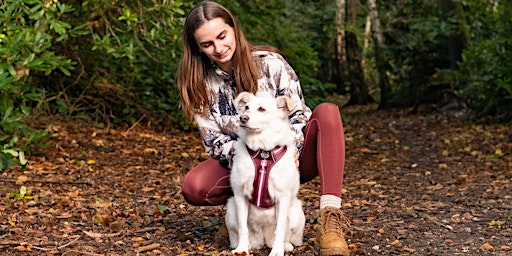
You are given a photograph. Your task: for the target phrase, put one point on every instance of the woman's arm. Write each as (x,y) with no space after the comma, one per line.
(218,143)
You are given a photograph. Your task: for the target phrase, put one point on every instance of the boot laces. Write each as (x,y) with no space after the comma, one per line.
(334,221)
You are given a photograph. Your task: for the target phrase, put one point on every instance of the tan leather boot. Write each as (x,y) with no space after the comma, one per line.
(222,236)
(330,239)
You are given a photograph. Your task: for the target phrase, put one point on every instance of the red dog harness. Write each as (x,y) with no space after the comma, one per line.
(263,163)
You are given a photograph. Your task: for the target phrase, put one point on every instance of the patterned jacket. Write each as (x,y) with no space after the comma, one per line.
(218,129)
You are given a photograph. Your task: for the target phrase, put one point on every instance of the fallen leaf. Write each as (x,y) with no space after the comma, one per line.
(147,189)
(21,179)
(101,235)
(396,243)
(486,247)
(151,150)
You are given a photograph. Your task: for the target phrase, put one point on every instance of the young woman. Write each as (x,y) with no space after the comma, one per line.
(217,64)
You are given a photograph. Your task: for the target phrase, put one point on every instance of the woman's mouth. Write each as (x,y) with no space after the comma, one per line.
(222,55)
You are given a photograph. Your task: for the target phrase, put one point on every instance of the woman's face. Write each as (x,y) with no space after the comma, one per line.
(216,39)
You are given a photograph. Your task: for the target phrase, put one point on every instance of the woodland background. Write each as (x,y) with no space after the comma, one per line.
(112,62)
(94,146)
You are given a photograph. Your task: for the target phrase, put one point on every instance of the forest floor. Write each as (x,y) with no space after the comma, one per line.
(415,184)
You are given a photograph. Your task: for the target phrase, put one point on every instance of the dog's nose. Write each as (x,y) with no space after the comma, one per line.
(244,118)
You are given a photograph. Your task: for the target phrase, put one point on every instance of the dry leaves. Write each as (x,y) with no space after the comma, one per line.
(414,185)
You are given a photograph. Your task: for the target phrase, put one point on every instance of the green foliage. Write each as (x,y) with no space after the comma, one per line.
(485,69)
(24,194)
(416,45)
(418,39)
(28,31)
(114,60)
(129,61)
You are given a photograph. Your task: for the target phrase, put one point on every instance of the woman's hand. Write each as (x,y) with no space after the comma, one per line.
(297,162)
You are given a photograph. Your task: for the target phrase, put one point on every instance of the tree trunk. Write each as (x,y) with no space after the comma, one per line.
(507,11)
(381,63)
(457,41)
(366,40)
(341,73)
(358,89)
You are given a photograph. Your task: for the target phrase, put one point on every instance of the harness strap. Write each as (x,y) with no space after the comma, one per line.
(263,163)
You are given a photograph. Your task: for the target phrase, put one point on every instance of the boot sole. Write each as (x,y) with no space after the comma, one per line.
(331,251)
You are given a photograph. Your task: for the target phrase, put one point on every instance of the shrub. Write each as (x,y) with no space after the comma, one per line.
(28,31)
(128,61)
(486,66)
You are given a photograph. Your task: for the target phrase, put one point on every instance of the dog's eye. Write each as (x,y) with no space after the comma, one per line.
(261,109)
(246,107)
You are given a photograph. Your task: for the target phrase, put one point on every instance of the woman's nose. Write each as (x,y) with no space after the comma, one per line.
(217,47)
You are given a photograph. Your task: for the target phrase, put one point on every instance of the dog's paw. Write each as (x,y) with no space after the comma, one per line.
(241,254)
(288,247)
(277,251)
(241,251)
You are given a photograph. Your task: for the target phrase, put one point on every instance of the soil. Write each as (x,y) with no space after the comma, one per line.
(422,184)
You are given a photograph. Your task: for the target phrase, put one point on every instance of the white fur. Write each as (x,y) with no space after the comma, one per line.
(281,226)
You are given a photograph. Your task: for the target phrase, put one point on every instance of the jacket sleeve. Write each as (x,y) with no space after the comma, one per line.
(218,143)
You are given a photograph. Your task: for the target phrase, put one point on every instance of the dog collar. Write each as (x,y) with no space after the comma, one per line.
(263,162)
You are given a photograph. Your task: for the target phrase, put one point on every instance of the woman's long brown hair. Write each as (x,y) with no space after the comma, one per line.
(194,66)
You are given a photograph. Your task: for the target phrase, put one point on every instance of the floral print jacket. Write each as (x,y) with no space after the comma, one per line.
(218,130)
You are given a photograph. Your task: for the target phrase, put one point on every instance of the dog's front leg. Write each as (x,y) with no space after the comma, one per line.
(281,227)
(242,208)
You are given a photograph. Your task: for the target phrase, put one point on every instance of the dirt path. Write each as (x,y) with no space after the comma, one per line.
(414,185)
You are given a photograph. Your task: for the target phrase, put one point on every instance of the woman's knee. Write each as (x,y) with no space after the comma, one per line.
(191,191)
(328,114)
(328,108)
(206,184)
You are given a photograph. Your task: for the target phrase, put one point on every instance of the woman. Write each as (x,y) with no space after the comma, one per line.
(217,64)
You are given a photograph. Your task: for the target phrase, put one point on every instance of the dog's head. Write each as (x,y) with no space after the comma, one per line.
(257,113)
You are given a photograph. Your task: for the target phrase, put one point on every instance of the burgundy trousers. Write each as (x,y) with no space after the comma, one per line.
(323,155)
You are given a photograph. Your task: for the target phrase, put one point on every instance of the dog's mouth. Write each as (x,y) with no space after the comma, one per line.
(244,126)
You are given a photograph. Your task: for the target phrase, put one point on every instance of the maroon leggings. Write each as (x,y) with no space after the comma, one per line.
(323,154)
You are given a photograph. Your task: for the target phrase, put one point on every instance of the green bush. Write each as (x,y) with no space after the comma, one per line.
(128,61)
(485,69)
(28,31)
(416,38)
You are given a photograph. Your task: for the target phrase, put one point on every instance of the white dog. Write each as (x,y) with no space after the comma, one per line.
(260,212)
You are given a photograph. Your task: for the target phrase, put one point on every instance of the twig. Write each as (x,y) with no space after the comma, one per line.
(436,221)
(136,123)
(66,245)
(48,181)
(148,229)
(80,252)
(147,248)
(39,248)
(9,242)
(100,235)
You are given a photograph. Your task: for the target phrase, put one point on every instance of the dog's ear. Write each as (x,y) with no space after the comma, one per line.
(285,103)
(242,99)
